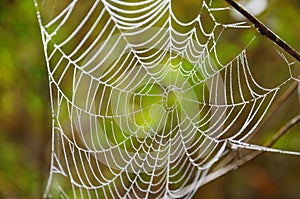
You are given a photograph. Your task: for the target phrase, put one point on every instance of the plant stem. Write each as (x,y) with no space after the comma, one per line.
(277,104)
(215,175)
(264,30)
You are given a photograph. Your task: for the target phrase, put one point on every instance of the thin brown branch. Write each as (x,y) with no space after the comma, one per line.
(277,104)
(282,98)
(215,175)
(283,130)
(264,30)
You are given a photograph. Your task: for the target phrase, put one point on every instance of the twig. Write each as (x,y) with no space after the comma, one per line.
(213,176)
(277,104)
(264,30)
(283,130)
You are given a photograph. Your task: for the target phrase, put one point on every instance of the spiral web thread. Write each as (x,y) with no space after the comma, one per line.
(142,106)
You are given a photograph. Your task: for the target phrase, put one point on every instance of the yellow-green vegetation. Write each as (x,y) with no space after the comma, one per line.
(25,115)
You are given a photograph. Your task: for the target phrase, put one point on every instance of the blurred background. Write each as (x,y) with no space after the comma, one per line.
(25,128)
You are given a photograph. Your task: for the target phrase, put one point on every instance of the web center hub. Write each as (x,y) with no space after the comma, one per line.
(171,96)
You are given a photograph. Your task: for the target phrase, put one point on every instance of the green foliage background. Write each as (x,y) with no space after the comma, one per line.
(25,130)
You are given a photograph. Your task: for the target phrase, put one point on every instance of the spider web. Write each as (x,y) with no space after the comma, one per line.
(143,103)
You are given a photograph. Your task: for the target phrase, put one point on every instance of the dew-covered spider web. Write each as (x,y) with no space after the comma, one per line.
(148,98)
